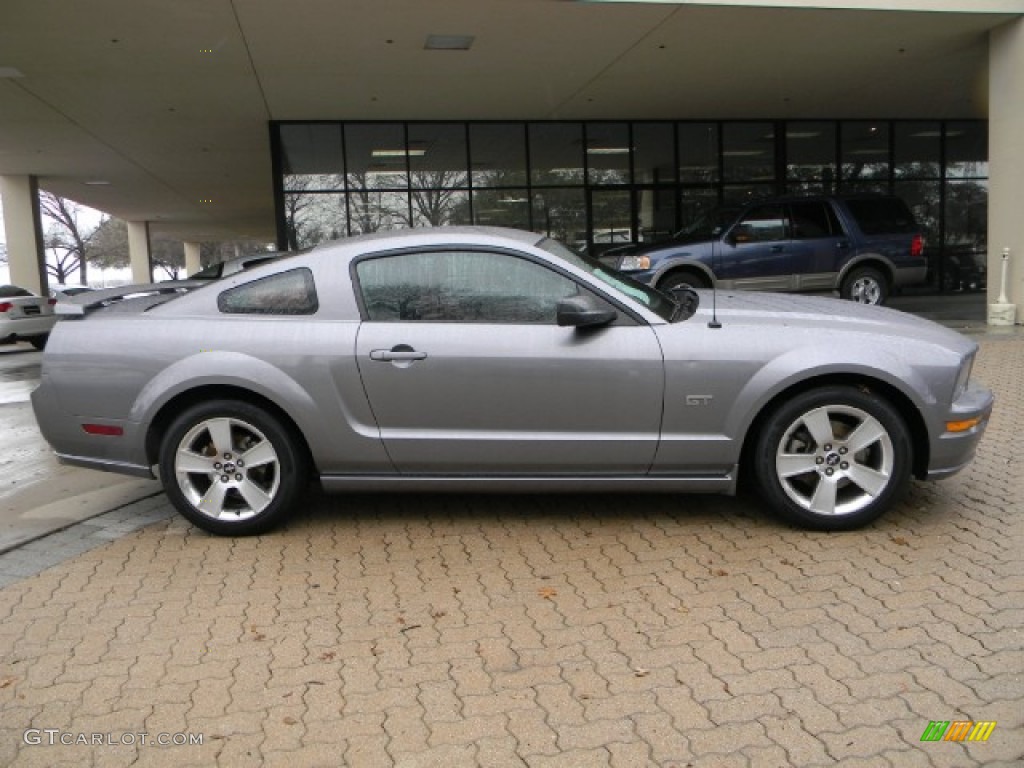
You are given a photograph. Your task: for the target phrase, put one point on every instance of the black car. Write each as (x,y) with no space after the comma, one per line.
(859,245)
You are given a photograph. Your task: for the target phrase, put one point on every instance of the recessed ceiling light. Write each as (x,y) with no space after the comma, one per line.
(607,150)
(742,152)
(449,42)
(97,183)
(11,72)
(802,134)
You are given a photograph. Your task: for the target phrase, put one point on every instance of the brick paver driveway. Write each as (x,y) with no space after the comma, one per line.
(539,631)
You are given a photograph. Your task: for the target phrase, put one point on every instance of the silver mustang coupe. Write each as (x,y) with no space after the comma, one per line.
(497,360)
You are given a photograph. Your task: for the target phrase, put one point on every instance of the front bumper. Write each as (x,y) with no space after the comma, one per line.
(952,451)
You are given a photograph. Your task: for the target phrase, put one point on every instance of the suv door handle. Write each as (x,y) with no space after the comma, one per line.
(842,244)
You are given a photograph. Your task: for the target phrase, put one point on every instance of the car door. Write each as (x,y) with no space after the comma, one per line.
(819,242)
(467,371)
(757,252)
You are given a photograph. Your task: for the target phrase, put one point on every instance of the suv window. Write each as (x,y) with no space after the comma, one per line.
(460,286)
(814,219)
(764,224)
(286,293)
(882,216)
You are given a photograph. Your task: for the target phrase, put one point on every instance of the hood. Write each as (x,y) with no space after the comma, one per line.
(761,311)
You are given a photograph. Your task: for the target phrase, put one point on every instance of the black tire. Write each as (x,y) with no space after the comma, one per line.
(813,475)
(865,285)
(684,278)
(227,494)
(39,342)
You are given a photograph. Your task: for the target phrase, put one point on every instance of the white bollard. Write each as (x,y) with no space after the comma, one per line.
(1003,312)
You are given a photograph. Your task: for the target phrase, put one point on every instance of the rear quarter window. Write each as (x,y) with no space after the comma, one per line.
(882,216)
(286,293)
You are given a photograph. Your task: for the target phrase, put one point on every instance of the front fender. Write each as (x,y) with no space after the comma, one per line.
(794,368)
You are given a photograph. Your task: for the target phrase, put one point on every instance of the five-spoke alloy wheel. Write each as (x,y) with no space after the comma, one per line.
(231,467)
(833,458)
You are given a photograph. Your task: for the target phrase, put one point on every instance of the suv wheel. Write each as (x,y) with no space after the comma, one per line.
(865,285)
(683,279)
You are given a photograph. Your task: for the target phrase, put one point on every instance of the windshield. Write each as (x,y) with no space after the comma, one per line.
(708,225)
(656,301)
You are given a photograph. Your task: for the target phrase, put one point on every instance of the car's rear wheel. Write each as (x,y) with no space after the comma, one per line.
(865,285)
(833,458)
(232,468)
(686,278)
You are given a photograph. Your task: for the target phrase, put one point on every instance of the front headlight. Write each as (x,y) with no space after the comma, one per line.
(963,377)
(635,263)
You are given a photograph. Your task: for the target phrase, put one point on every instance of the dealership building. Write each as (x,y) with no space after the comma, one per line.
(599,122)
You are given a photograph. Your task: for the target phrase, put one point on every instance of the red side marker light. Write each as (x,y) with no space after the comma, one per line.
(103,429)
(917,246)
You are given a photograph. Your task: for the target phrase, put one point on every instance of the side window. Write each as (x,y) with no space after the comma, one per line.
(814,220)
(286,293)
(460,286)
(764,224)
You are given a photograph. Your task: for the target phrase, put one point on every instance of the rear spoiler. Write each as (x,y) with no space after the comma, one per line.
(89,300)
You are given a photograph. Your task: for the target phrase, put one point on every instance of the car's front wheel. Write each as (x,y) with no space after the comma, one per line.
(833,458)
(232,468)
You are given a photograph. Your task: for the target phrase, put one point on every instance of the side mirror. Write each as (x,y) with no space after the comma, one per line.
(583,312)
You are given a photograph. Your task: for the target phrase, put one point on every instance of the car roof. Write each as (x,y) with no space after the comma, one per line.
(419,236)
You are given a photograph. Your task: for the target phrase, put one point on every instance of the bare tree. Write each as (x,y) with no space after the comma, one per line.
(64,238)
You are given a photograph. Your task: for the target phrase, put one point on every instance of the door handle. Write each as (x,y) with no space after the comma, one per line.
(401,353)
(842,244)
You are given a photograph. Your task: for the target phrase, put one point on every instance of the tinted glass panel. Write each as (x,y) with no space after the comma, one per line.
(811,152)
(966,150)
(9,291)
(698,152)
(561,214)
(748,151)
(464,287)
(917,149)
(656,214)
(556,153)
(312,149)
(376,156)
(865,150)
(498,154)
(314,217)
(286,293)
(439,207)
(371,210)
(502,208)
(654,156)
(437,156)
(608,151)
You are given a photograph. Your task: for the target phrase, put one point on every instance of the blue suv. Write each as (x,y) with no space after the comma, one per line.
(859,245)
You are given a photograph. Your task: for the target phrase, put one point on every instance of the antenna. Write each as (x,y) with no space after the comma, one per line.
(714,307)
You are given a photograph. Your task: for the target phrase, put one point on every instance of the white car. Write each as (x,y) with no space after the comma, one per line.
(25,316)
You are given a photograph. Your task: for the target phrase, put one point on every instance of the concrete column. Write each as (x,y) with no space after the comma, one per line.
(1006,160)
(192,263)
(26,256)
(138,251)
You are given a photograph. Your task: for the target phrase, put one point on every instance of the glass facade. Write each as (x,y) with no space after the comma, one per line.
(598,184)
